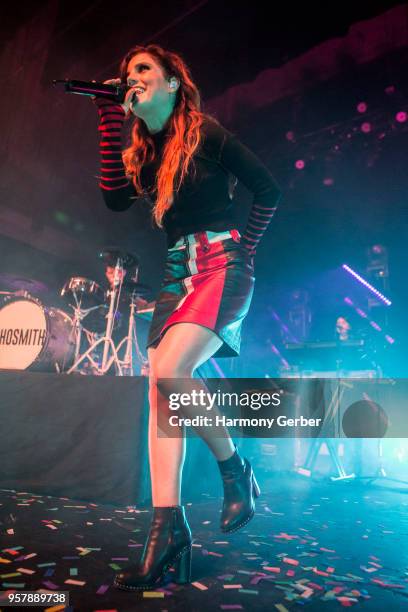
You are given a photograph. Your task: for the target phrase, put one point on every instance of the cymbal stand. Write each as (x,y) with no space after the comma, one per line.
(79,315)
(106,340)
(131,340)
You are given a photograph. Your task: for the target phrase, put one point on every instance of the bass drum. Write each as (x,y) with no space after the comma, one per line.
(33,337)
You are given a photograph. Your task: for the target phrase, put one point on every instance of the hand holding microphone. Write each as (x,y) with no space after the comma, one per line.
(112,89)
(130,95)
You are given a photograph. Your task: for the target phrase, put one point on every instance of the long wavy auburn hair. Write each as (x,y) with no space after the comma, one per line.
(184,132)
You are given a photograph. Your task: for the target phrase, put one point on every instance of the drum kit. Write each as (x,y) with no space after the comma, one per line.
(96,336)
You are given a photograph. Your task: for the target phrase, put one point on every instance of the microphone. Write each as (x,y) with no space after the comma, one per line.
(116,93)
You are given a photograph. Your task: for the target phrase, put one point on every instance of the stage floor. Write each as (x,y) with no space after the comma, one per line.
(315,544)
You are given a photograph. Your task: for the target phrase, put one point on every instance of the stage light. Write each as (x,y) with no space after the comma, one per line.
(365,283)
(401,117)
(328,181)
(362,107)
(299,164)
(290,136)
(366,127)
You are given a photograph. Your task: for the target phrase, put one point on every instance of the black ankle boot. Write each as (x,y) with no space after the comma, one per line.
(240,490)
(168,544)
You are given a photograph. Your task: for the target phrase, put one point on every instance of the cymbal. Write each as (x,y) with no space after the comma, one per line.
(19,283)
(131,286)
(110,256)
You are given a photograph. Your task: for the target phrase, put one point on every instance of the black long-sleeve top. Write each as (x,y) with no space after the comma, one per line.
(203,201)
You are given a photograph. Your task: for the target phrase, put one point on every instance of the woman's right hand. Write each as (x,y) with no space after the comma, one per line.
(126,104)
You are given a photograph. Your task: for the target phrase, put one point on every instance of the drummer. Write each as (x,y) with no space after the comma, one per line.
(121,273)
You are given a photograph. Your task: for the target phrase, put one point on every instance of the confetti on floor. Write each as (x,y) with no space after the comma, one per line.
(279,561)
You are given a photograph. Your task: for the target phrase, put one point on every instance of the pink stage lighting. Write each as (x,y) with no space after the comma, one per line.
(299,164)
(401,117)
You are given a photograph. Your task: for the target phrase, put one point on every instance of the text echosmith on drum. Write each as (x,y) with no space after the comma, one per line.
(19,337)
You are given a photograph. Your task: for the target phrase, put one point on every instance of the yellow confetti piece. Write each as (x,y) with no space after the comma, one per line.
(153,594)
(55,608)
(199,586)
(281,608)
(10,575)
(4,560)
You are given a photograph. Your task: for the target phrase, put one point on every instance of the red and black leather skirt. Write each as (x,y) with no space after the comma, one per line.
(208,280)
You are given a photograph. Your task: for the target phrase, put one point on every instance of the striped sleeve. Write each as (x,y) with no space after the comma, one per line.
(116,188)
(254,175)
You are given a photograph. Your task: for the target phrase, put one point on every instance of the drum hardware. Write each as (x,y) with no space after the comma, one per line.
(121,290)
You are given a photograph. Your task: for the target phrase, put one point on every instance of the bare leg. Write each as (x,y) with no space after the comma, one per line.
(184,347)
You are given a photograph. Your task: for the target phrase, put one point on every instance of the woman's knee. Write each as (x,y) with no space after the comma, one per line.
(170,366)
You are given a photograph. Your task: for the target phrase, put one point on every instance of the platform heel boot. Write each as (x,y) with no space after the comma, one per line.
(240,491)
(168,544)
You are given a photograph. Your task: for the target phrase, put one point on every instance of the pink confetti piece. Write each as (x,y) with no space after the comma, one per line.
(214,554)
(102,589)
(315,586)
(290,573)
(375,564)
(388,585)
(231,607)
(75,582)
(232,586)
(290,561)
(319,572)
(285,536)
(330,570)
(276,570)
(307,593)
(23,570)
(327,550)
(50,526)
(199,586)
(10,531)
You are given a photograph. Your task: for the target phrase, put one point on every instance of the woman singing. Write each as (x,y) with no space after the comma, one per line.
(187,164)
